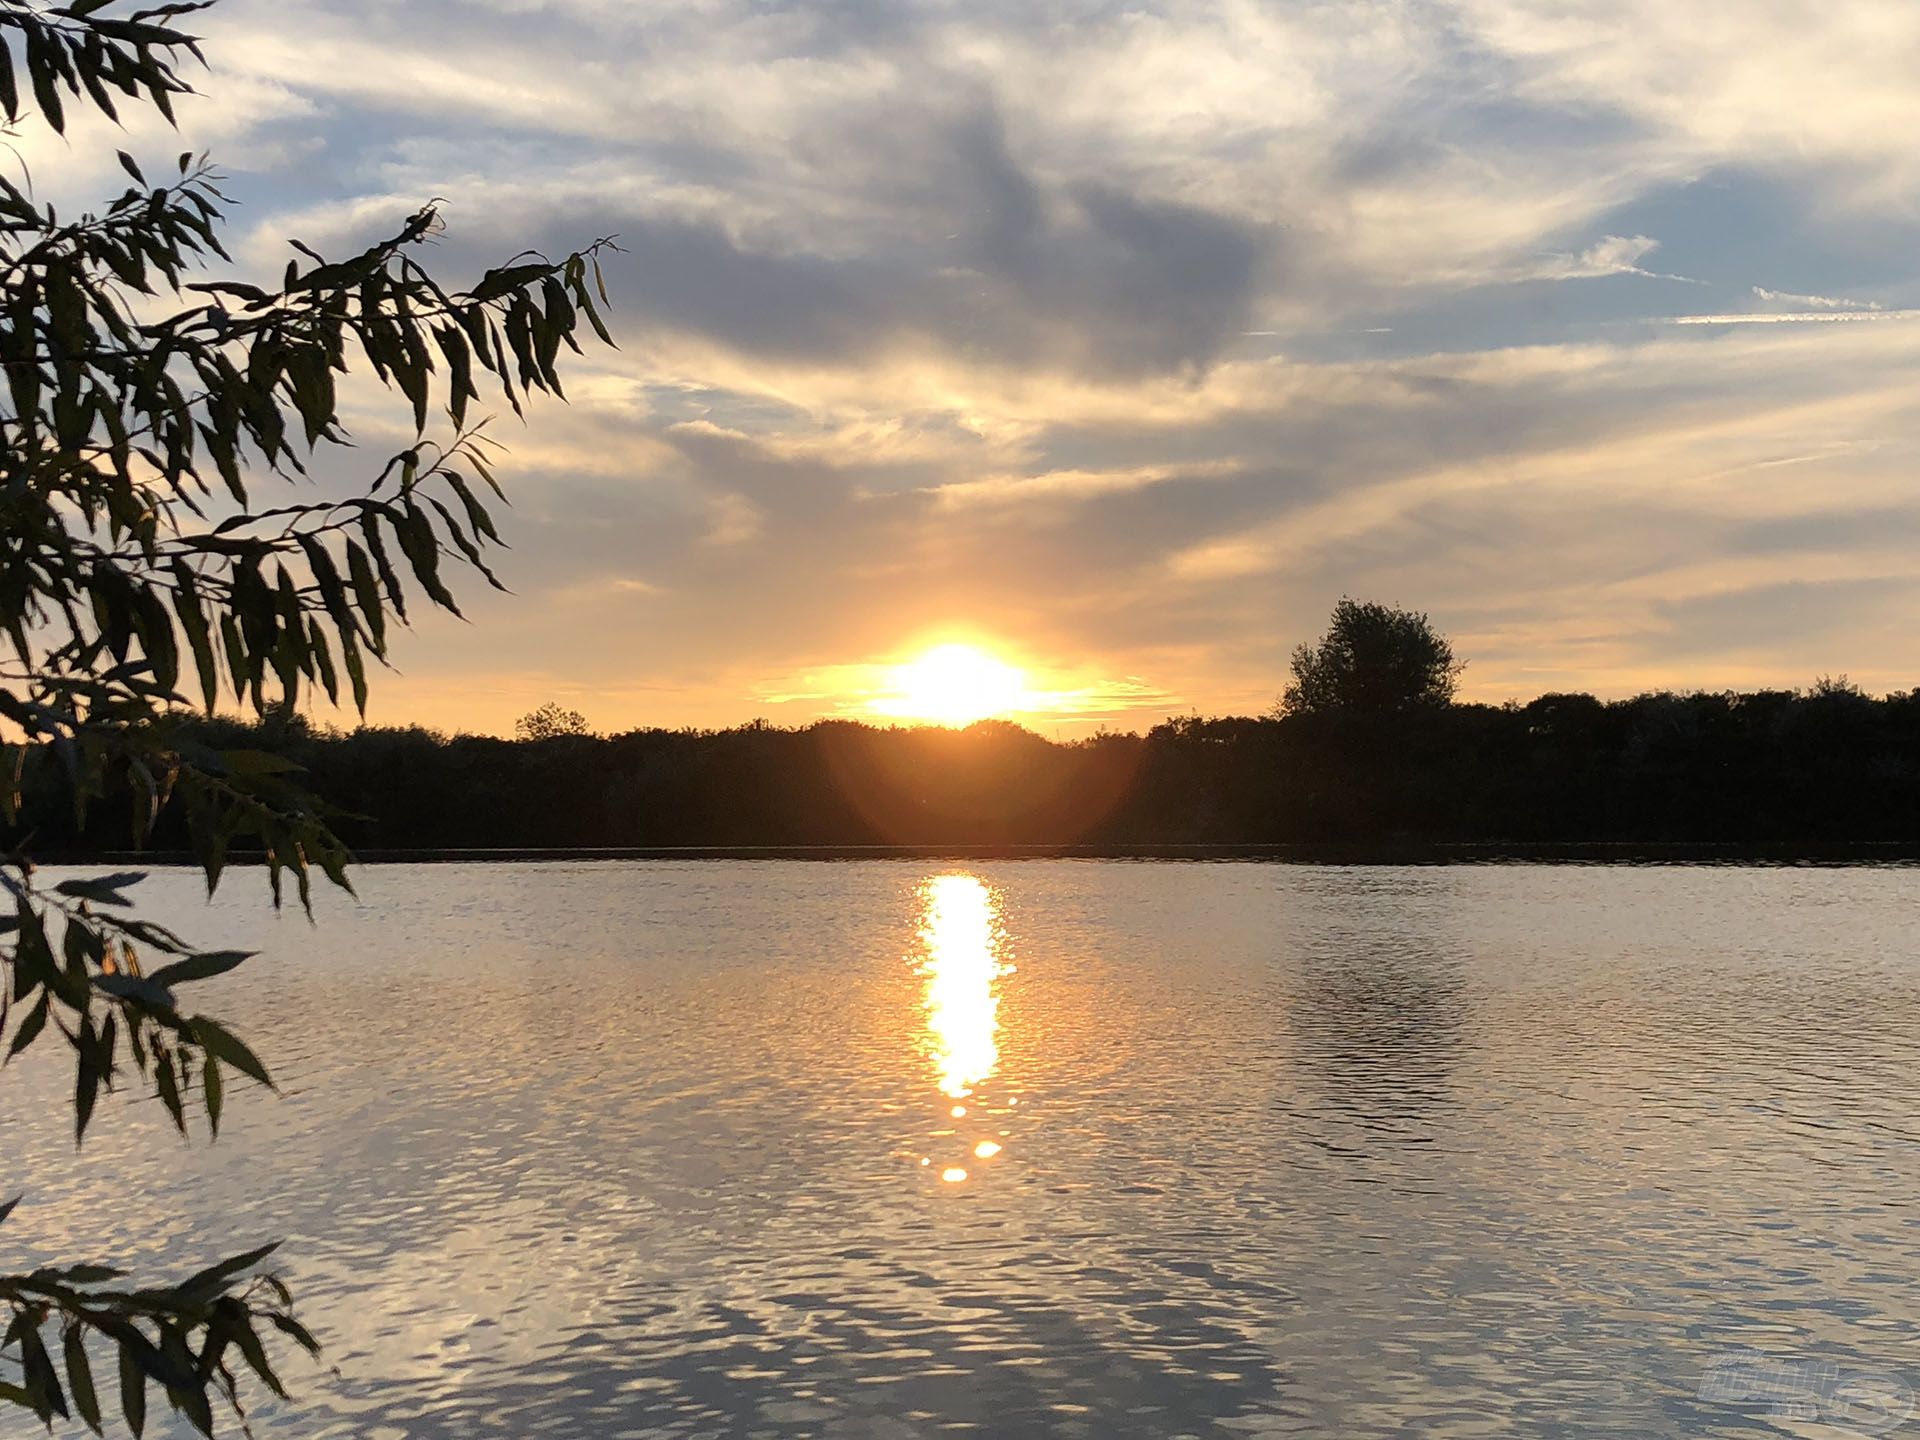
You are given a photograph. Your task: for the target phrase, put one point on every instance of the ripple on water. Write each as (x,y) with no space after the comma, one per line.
(1048,1148)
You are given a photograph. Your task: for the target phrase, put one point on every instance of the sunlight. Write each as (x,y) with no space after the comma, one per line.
(961,959)
(954,684)
(962,963)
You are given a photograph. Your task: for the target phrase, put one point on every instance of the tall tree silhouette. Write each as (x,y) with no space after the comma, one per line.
(550,721)
(1373,660)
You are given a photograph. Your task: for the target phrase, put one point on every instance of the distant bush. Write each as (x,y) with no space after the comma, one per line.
(550,721)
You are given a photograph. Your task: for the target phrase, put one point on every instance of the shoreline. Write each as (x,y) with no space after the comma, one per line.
(1383,853)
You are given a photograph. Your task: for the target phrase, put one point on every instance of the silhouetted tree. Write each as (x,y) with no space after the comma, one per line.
(135,402)
(1798,767)
(549,722)
(1373,660)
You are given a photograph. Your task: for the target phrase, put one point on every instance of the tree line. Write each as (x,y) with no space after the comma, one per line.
(1825,764)
(1366,745)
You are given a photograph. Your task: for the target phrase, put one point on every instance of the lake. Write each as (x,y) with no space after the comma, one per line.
(1076,1148)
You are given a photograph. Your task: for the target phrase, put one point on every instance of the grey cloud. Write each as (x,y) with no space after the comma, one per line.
(1797,617)
(1843,530)
(1079,275)
(866,189)
(695,278)
(982,261)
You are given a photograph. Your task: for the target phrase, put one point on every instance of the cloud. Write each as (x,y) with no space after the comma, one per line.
(1135,339)
(733,520)
(1791,317)
(1071,485)
(601,588)
(1817,309)
(1646,430)
(1813,302)
(1612,255)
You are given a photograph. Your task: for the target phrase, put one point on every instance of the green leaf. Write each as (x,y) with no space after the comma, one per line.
(40,70)
(477,515)
(203,966)
(332,593)
(256,1356)
(215,1276)
(30,1027)
(144,988)
(219,1041)
(320,652)
(196,1407)
(422,549)
(43,1381)
(356,671)
(9,87)
(366,590)
(169,1085)
(301,1336)
(497,283)
(460,389)
(80,1378)
(370,528)
(133,1391)
(102,889)
(239,670)
(87,1076)
(193,620)
(210,1087)
(90,1274)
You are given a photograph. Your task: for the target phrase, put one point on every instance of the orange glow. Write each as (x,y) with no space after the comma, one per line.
(953,684)
(960,933)
(961,959)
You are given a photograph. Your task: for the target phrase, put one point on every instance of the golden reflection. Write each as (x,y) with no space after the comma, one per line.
(959,932)
(961,947)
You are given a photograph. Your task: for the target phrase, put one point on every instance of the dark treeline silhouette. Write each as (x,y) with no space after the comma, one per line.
(1829,764)
(1367,746)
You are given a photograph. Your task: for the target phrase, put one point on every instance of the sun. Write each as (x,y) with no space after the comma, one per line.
(953,684)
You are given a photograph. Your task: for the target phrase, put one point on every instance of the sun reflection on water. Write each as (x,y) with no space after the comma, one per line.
(961,960)
(959,932)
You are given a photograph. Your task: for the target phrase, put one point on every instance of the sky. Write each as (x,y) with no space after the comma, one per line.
(1122,341)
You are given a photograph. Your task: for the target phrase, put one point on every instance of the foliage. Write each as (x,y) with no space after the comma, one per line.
(142,407)
(549,722)
(1373,660)
(1805,771)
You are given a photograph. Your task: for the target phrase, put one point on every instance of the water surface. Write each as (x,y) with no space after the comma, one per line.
(1068,1148)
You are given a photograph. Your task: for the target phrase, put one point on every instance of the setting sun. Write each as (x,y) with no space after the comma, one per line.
(953,684)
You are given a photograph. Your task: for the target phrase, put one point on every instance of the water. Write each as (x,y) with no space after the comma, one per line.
(673,1149)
